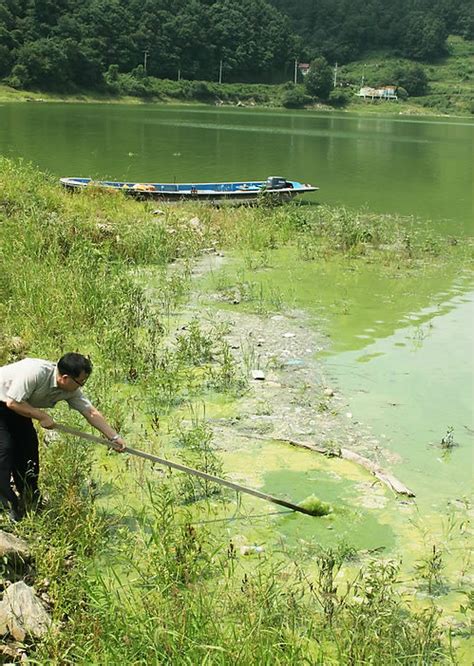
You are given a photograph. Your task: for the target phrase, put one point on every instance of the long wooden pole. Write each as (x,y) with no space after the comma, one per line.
(183,468)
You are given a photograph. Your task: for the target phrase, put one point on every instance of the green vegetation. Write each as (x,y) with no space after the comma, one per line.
(134,569)
(319,80)
(63,45)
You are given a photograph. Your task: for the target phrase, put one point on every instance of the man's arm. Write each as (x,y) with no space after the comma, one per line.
(95,418)
(25,409)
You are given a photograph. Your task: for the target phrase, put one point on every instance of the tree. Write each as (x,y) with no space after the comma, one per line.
(412,78)
(423,37)
(318,80)
(42,63)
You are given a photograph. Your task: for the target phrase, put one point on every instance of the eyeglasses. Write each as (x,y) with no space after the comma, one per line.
(77,381)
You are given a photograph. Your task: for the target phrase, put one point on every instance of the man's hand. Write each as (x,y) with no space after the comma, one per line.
(119,445)
(46,422)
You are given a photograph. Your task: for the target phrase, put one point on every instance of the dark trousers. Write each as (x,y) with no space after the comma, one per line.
(18,458)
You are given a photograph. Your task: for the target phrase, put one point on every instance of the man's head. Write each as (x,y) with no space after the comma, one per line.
(73,371)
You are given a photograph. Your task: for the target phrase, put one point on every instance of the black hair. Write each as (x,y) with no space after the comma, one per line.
(73,364)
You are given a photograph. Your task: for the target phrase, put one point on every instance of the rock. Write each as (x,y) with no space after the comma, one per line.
(258,374)
(12,545)
(288,335)
(158,211)
(329,392)
(15,650)
(22,614)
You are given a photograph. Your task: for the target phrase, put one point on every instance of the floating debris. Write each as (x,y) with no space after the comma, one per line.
(250,550)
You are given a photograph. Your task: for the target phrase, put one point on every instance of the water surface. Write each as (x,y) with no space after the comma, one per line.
(414,166)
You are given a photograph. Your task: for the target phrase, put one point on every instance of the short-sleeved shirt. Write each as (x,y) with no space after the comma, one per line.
(33,380)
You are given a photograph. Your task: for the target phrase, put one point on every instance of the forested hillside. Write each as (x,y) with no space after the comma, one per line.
(342,30)
(55,42)
(61,44)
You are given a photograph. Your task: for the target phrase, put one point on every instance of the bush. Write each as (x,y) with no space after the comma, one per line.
(339,98)
(411,77)
(402,93)
(294,98)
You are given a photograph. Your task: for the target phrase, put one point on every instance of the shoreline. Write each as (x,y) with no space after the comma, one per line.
(10,95)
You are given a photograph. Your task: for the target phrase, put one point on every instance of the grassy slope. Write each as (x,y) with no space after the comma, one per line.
(450,87)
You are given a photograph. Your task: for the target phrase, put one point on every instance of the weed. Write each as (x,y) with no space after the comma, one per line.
(226,377)
(263,408)
(164,591)
(429,569)
(447,442)
(194,347)
(197,452)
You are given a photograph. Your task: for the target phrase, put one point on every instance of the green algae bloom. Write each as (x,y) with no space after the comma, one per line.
(315,506)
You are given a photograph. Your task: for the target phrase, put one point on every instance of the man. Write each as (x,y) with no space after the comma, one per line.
(26,387)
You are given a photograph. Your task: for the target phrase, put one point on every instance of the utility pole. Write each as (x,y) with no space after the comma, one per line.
(335,75)
(220,71)
(145,58)
(296,72)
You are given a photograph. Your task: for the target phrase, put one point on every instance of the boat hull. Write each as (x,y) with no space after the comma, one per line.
(238,192)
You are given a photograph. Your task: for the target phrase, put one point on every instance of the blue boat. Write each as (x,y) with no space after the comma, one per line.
(274,187)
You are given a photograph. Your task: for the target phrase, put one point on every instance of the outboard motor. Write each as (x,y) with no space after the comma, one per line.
(277,183)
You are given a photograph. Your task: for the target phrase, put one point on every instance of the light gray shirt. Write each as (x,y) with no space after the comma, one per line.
(33,380)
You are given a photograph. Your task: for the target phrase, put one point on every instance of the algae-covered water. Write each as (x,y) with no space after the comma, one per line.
(401,351)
